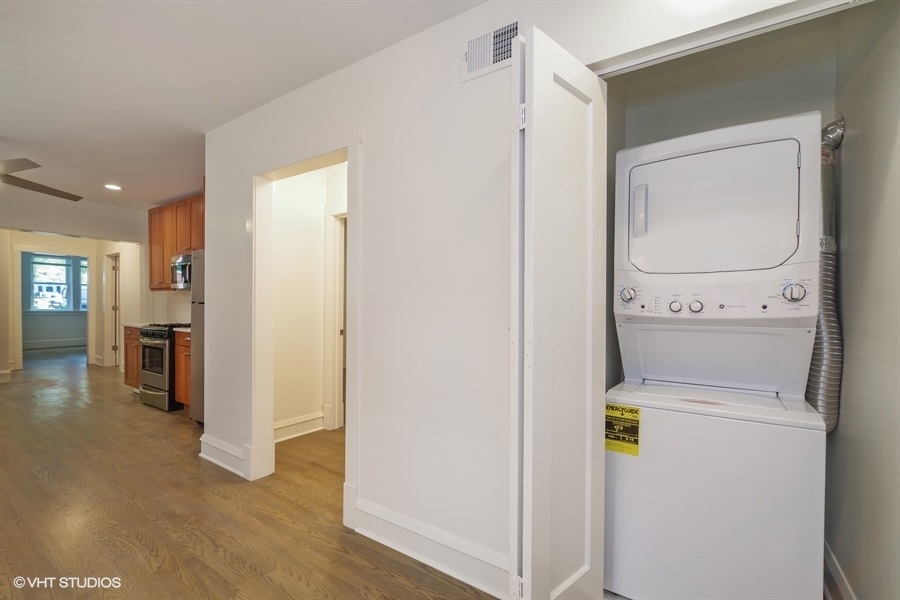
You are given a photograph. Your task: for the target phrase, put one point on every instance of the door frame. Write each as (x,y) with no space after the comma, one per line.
(333,373)
(112,319)
(261,461)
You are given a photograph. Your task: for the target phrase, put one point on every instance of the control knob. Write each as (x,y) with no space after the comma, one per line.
(627,294)
(675,306)
(794,292)
(696,306)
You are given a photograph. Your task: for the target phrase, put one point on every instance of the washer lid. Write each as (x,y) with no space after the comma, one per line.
(715,403)
(732,209)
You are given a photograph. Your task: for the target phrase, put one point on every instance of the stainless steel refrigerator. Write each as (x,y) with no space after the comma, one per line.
(197,334)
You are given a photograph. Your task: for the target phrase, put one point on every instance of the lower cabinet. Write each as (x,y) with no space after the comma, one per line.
(183,369)
(132,356)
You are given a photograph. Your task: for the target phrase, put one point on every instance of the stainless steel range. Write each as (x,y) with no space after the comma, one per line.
(158,365)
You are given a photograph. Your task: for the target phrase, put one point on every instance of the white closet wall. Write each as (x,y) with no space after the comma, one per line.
(862,510)
(299,263)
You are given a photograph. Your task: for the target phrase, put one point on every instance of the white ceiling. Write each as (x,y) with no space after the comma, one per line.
(123,91)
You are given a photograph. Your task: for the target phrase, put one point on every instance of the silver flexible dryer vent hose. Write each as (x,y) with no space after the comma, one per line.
(823,387)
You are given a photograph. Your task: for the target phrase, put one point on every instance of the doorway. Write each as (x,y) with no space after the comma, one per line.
(307,263)
(90,286)
(309,376)
(54,301)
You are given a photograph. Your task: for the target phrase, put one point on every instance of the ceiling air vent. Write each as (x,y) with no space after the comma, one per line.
(489,51)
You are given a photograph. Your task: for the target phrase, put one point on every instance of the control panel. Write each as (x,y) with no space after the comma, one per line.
(719,298)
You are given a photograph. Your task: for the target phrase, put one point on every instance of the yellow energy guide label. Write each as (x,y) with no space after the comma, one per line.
(623,428)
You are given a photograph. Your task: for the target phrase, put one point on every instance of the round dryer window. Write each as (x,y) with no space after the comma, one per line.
(730,209)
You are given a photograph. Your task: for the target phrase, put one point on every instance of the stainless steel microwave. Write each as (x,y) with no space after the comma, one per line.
(181,272)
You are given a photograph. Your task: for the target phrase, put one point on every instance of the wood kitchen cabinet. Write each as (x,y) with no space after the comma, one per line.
(172,229)
(132,356)
(189,225)
(161,233)
(183,369)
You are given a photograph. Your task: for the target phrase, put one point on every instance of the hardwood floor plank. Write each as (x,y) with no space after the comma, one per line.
(95,484)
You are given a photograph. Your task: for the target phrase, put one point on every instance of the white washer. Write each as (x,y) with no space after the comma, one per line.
(715,463)
(724,500)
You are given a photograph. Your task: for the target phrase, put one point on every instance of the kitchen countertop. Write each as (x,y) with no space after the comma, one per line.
(183,329)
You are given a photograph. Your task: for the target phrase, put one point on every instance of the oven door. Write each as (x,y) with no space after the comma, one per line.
(155,363)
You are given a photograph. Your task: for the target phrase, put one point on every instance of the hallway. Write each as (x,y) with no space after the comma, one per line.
(95,485)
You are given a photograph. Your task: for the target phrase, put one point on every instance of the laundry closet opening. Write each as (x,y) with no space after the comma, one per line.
(305,295)
(840,64)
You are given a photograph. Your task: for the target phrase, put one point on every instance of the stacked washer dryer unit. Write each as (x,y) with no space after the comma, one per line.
(715,462)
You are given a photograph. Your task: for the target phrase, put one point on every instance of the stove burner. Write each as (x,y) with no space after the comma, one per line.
(161,330)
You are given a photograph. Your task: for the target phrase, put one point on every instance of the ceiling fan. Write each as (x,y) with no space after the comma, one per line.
(23,164)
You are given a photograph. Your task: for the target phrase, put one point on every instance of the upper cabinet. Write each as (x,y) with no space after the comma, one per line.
(189,224)
(173,229)
(161,233)
(198,220)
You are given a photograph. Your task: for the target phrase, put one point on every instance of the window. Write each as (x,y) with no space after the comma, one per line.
(54,283)
(84,281)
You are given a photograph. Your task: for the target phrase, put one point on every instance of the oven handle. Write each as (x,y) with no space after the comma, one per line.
(154,342)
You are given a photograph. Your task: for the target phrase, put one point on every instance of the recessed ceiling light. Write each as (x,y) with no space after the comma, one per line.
(112,186)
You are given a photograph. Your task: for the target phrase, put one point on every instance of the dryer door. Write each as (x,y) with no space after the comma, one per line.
(731,209)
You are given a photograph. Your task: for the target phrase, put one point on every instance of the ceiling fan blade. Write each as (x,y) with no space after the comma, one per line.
(15,165)
(37,187)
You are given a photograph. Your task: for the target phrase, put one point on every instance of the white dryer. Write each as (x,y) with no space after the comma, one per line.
(715,462)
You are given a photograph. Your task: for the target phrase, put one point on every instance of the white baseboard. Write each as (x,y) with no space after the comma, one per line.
(837,574)
(222,454)
(297,426)
(99,360)
(481,567)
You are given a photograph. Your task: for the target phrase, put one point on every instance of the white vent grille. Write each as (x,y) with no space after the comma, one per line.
(489,51)
(503,38)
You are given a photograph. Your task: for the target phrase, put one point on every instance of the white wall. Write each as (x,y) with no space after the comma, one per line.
(7,362)
(169,306)
(863,478)
(34,212)
(133,282)
(336,189)
(298,210)
(434,293)
(763,78)
(432,227)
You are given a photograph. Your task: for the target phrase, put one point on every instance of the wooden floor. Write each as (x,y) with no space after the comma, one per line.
(94,484)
